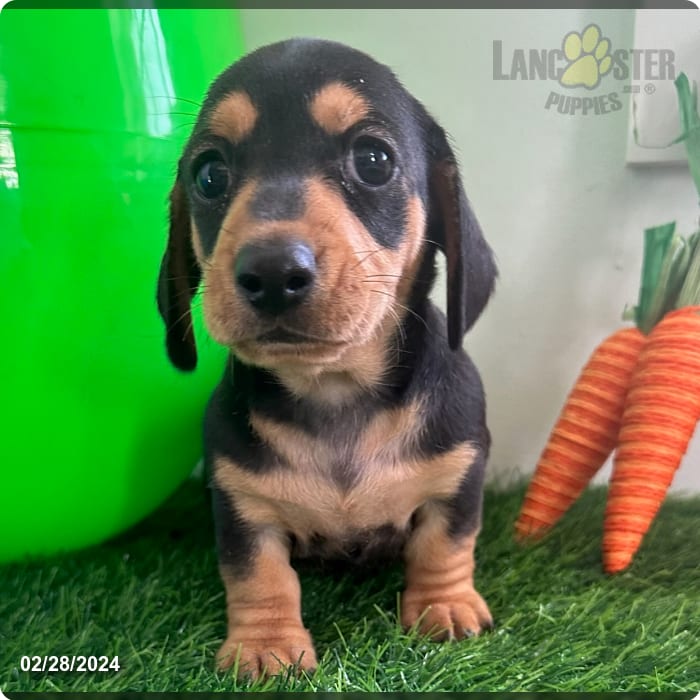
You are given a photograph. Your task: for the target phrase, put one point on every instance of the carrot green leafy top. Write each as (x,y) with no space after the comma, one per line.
(671,264)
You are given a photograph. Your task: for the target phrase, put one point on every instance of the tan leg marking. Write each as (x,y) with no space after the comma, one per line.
(265,630)
(440,595)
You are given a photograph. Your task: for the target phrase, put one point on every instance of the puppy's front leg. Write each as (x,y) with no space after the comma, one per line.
(440,594)
(263,602)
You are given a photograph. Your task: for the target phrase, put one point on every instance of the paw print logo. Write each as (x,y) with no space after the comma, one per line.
(588,57)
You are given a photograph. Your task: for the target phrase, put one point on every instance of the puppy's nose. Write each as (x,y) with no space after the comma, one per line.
(274,275)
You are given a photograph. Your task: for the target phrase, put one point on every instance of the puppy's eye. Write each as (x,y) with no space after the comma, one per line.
(211,178)
(372,160)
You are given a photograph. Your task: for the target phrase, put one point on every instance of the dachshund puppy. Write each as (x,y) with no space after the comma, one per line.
(309,204)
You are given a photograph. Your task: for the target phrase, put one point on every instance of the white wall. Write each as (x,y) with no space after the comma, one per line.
(561,209)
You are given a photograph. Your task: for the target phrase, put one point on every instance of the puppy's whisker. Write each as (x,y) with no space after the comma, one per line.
(401,306)
(413,313)
(399,325)
(367,257)
(182,316)
(394,315)
(176,278)
(189,125)
(175,114)
(377,281)
(391,295)
(198,105)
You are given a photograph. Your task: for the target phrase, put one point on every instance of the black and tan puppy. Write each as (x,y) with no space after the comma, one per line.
(310,201)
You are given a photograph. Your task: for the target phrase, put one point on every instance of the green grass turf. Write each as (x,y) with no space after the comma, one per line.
(153,597)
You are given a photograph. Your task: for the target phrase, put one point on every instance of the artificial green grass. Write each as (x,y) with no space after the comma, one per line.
(152,597)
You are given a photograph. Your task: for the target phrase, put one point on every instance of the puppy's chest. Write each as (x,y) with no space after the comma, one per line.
(344,482)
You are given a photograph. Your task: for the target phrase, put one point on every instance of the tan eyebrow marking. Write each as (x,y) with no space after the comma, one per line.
(234,117)
(336,107)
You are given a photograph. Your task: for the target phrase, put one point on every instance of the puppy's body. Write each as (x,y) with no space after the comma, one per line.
(310,201)
(344,479)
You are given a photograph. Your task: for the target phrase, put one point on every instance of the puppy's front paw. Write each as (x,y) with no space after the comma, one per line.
(268,655)
(445,617)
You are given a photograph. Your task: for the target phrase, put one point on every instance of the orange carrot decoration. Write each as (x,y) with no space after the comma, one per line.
(584,435)
(661,411)
(587,429)
(639,392)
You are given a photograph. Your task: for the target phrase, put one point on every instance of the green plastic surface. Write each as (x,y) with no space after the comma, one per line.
(97,427)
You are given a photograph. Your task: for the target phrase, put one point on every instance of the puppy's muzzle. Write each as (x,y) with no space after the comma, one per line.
(275,275)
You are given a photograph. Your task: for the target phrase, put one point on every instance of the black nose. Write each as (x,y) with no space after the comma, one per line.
(274,275)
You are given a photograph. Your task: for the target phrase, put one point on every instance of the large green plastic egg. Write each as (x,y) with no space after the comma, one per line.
(97,427)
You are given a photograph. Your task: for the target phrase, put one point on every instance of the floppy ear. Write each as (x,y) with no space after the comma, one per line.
(177,284)
(471,269)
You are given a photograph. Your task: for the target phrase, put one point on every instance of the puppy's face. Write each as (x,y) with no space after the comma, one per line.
(307,199)
(302,203)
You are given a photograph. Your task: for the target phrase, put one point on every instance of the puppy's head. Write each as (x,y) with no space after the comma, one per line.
(306,198)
